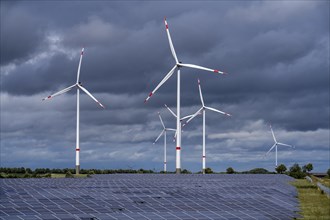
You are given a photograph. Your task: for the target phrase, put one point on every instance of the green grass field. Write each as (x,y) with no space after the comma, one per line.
(313,203)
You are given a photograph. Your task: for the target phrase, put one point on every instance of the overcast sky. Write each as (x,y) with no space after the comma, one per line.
(276,54)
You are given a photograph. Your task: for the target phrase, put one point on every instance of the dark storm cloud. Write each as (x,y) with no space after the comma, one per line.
(276,54)
(21,32)
(34,77)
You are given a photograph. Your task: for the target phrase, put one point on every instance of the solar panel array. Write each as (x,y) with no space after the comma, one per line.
(150,196)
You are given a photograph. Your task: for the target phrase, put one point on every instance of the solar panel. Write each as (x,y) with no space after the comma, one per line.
(150,196)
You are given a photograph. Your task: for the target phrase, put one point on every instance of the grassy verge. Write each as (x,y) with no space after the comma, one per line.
(313,204)
(325,181)
(60,175)
(80,175)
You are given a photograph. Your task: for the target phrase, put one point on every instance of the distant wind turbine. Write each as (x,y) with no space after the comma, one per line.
(181,119)
(79,86)
(161,133)
(202,109)
(275,145)
(177,66)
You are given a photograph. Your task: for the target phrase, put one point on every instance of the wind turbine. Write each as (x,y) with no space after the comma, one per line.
(177,66)
(202,109)
(161,133)
(275,145)
(79,86)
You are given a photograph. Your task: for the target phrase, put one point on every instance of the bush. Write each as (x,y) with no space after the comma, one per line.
(230,170)
(27,175)
(69,175)
(185,171)
(296,172)
(281,169)
(12,176)
(208,170)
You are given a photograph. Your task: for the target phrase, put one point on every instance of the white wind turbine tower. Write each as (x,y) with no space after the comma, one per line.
(79,86)
(202,109)
(161,133)
(177,66)
(275,145)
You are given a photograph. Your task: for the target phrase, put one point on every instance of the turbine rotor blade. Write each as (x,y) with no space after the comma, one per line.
(284,144)
(168,75)
(171,129)
(78,72)
(60,92)
(161,133)
(161,120)
(273,133)
(201,68)
(90,95)
(200,92)
(170,42)
(174,138)
(170,111)
(193,116)
(216,110)
(186,117)
(270,149)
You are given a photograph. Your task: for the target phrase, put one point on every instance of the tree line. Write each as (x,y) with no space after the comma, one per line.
(295,171)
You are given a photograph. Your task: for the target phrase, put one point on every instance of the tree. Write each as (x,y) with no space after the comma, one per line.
(296,172)
(28,170)
(281,169)
(328,172)
(185,171)
(230,170)
(258,171)
(309,167)
(208,170)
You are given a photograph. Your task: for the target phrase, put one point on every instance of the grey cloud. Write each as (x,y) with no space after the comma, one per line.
(21,33)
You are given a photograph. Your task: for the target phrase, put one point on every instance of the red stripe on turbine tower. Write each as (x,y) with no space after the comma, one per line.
(77,149)
(178,148)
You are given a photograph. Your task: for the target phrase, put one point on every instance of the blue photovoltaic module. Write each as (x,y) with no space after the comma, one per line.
(150,196)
